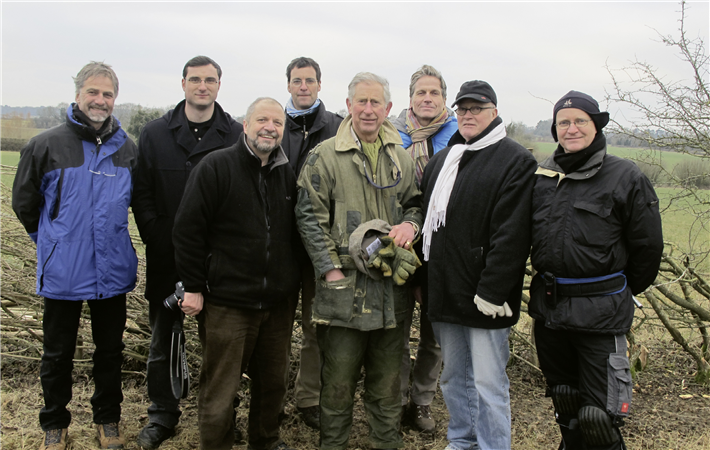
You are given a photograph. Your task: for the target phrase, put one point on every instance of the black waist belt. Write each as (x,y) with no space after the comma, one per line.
(586,287)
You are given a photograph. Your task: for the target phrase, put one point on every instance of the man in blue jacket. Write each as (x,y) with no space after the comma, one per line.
(71,193)
(170,148)
(425,127)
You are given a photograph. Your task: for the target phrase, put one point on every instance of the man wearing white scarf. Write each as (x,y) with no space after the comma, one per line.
(476,239)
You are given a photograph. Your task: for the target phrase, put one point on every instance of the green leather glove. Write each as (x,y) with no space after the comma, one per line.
(404,264)
(382,259)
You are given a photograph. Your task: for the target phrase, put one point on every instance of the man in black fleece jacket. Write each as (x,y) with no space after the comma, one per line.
(235,250)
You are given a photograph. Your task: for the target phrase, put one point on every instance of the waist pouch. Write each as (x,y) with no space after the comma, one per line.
(558,287)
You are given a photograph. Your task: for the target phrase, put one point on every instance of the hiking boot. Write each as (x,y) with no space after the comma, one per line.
(420,416)
(311,416)
(152,435)
(110,435)
(55,439)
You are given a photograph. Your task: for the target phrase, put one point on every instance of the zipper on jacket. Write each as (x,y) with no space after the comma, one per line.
(41,280)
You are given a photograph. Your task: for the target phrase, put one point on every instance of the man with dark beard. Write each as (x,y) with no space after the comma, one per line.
(596,242)
(235,241)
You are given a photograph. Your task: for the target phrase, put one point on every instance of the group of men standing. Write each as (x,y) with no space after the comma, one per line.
(343,210)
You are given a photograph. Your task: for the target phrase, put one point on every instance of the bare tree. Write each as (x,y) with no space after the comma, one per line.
(674,116)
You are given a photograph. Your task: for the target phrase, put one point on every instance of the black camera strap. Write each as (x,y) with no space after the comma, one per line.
(179,373)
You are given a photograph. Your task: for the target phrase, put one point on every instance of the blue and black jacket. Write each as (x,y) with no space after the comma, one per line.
(72,192)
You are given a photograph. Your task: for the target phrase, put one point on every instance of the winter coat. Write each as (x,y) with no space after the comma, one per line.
(597,221)
(334,198)
(298,141)
(234,232)
(168,151)
(484,245)
(71,193)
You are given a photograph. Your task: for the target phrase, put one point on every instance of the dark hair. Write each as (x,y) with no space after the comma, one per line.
(300,63)
(199,61)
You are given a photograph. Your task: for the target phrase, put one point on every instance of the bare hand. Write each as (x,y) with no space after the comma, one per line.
(192,304)
(334,275)
(402,235)
(417,292)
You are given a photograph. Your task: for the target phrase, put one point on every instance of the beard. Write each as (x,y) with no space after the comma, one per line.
(264,147)
(97,114)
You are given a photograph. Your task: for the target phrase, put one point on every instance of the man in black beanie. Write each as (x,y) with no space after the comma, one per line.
(596,242)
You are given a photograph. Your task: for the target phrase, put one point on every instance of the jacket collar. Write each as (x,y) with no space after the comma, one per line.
(318,123)
(550,168)
(276,159)
(88,133)
(345,138)
(214,138)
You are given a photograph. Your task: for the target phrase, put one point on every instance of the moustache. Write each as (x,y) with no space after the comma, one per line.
(95,106)
(268,134)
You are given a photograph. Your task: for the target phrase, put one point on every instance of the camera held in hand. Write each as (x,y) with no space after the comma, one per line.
(174,301)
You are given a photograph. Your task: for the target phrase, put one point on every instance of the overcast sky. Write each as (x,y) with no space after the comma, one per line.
(532,53)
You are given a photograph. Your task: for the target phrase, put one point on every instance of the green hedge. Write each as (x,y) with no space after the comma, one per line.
(12,145)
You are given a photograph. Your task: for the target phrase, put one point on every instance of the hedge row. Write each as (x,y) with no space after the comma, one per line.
(12,145)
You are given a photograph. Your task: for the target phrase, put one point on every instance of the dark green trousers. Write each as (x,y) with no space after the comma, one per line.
(344,351)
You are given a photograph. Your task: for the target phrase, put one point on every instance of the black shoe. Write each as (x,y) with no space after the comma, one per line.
(311,416)
(152,435)
(420,417)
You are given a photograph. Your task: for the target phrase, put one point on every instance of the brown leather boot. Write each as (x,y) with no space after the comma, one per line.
(110,435)
(54,440)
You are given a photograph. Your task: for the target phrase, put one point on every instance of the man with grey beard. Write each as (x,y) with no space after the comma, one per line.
(235,251)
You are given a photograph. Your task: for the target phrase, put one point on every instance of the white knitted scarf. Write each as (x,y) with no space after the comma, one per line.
(439,201)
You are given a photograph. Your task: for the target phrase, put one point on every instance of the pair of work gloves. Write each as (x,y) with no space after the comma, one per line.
(396,262)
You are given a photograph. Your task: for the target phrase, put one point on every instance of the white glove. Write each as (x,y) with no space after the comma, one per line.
(492,310)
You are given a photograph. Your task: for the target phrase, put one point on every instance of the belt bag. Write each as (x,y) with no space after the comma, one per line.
(556,287)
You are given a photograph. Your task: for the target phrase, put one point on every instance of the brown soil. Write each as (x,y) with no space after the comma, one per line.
(669,411)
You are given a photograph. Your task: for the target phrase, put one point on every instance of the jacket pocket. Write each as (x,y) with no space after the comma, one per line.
(334,299)
(590,223)
(618,400)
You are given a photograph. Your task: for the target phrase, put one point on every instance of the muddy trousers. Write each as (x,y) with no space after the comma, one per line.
(581,361)
(344,351)
(61,326)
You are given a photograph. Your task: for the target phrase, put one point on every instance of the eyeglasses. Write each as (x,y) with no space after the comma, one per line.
(475,110)
(396,181)
(579,123)
(298,81)
(208,81)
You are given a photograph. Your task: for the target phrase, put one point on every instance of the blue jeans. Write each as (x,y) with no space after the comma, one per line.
(61,326)
(475,386)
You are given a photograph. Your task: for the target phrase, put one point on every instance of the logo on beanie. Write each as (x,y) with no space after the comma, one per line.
(567,104)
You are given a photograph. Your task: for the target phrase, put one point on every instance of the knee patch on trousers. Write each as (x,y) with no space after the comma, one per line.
(565,399)
(597,427)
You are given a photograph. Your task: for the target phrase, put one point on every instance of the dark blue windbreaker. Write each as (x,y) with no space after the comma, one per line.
(72,192)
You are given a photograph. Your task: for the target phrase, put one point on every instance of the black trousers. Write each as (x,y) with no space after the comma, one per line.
(164,408)
(61,325)
(578,360)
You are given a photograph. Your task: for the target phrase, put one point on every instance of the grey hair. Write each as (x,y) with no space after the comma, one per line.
(424,71)
(95,69)
(252,107)
(368,77)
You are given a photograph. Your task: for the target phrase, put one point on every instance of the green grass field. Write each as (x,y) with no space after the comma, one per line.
(8,159)
(668,159)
